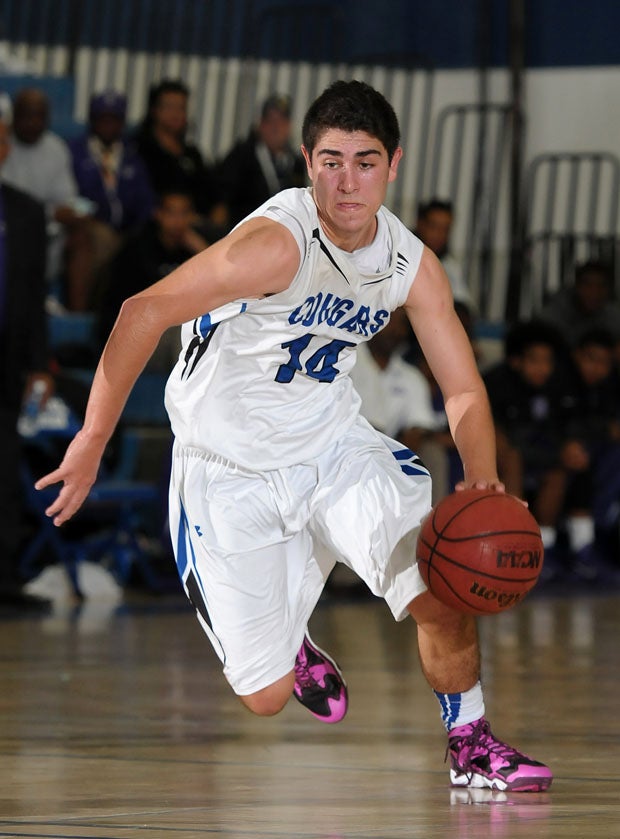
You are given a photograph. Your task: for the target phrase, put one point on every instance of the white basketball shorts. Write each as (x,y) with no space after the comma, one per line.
(254,549)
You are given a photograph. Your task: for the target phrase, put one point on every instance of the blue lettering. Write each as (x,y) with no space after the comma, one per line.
(339,311)
(331,309)
(298,314)
(315,303)
(359,321)
(379,321)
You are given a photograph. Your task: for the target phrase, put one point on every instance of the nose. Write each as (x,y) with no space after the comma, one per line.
(348,180)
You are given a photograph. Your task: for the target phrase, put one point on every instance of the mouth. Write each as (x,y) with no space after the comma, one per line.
(349,206)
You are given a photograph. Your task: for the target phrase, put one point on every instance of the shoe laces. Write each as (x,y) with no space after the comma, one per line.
(481,738)
(303,676)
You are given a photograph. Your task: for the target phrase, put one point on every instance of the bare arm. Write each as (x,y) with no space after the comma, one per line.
(258,258)
(449,353)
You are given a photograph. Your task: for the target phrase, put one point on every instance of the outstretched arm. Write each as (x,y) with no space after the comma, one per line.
(449,353)
(258,258)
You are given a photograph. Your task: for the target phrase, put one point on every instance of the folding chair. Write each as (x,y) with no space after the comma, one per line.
(111,517)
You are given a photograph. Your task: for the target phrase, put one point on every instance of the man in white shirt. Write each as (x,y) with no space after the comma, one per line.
(39,163)
(396,398)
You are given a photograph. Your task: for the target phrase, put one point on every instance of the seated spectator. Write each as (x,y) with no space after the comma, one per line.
(532,402)
(24,367)
(594,429)
(171,160)
(151,253)
(262,164)
(587,304)
(111,175)
(396,398)
(40,164)
(433,227)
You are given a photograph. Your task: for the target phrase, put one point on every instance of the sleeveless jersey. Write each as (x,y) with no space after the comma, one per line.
(265,382)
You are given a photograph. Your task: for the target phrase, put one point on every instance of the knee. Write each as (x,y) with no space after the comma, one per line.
(272,699)
(431,615)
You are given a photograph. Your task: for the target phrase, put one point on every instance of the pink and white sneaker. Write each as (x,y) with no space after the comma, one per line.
(319,683)
(478,759)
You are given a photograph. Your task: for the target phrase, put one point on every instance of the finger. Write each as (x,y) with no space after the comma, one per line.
(60,513)
(47,480)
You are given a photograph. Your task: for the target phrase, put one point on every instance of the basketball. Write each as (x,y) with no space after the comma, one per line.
(479,551)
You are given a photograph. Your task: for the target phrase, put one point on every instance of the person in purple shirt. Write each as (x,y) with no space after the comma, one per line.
(112,178)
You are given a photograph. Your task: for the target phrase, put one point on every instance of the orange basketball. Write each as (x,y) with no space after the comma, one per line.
(480,551)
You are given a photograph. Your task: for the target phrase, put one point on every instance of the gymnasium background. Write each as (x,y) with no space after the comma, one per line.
(511,108)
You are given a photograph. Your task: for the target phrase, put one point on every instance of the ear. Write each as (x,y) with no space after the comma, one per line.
(396,157)
(308,159)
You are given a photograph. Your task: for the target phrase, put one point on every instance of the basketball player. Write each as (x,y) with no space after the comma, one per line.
(274,471)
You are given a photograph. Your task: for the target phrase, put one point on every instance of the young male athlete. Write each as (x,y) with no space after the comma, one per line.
(274,471)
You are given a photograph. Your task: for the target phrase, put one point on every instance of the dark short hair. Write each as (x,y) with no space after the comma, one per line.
(352,106)
(156,91)
(174,190)
(525,334)
(279,102)
(434,204)
(594,266)
(596,337)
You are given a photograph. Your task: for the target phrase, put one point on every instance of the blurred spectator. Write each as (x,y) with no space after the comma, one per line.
(587,304)
(111,175)
(532,402)
(395,396)
(151,253)
(594,429)
(433,227)
(262,164)
(40,164)
(171,160)
(23,363)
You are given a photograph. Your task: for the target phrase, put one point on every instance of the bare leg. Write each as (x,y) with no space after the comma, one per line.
(448,645)
(270,700)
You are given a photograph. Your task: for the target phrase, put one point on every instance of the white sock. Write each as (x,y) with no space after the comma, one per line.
(580,532)
(461,708)
(548,535)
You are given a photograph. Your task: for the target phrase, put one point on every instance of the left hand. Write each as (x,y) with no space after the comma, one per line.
(494,484)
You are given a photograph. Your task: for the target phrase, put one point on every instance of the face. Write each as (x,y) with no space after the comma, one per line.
(108,127)
(434,230)
(536,364)
(170,112)
(174,218)
(5,145)
(30,119)
(274,130)
(350,172)
(595,363)
(592,291)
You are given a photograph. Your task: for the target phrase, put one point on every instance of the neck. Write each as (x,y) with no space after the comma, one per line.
(349,242)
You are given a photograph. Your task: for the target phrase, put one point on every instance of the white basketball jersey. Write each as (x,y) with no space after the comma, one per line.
(265,383)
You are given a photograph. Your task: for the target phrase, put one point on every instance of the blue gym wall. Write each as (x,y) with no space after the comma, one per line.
(559,33)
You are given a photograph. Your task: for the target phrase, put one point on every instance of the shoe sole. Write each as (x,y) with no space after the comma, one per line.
(480,782)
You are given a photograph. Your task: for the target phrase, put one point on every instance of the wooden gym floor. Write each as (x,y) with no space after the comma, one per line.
(117,724)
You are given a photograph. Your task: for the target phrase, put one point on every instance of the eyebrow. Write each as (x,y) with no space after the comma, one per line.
(335,153)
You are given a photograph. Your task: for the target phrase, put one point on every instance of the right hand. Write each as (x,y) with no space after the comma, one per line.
(78,472)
